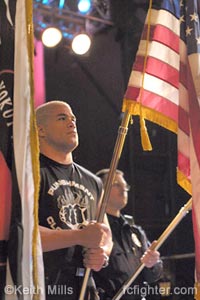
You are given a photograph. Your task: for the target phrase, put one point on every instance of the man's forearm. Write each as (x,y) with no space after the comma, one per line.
(58,239)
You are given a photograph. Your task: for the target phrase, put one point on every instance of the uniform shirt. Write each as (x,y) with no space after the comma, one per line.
(68,200)
(130,242)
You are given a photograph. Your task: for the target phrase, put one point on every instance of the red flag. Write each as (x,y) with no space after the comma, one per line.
(164,87)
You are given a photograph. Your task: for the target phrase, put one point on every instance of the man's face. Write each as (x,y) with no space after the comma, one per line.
(119,193)
(59,128)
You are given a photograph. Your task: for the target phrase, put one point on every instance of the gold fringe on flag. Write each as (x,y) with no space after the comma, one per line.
(184,182)
(148,113)
(146,144)
(34,142)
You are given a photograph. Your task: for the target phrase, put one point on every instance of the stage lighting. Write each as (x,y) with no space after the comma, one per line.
(81,44)
(51,37)
(61,4)
(84,6)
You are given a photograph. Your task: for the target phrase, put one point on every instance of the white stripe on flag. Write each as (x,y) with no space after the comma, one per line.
(155,85)
(161,52)
(22,149)
(166,19)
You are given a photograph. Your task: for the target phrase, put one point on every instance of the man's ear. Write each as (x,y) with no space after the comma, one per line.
(41,131)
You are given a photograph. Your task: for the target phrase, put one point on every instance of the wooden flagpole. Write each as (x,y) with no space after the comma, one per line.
(118,149)
(122,132)
(182,212)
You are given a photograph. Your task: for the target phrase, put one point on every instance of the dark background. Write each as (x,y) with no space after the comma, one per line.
(94,86)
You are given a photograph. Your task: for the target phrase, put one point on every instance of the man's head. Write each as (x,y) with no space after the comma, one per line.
(56,127)
(119,191)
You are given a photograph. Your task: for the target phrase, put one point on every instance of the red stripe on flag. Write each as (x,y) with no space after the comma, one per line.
(183,74)
(164,35)
(132,93)
(5,203)
(184,164)
(158,69)
(154,102)
(184,121)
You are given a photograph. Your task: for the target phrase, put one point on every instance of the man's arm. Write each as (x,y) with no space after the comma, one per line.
(154,266)
(150,258)
(109,245)
(98,258)
(94,235)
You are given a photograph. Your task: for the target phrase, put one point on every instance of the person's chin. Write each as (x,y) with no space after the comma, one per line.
(125,203)
(73,139)
(74,144)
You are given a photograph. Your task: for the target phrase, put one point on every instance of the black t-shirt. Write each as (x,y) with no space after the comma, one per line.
(68,195)
(68,200)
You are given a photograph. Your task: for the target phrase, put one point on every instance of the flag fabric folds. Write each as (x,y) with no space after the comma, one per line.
(19,155)
(164,87)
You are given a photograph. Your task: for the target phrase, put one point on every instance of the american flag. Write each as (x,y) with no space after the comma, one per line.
(164,87)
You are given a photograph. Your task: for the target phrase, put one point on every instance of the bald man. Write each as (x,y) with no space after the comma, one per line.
(68,198)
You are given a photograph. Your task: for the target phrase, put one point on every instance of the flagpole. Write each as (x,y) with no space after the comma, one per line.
(122,132)
(182,212)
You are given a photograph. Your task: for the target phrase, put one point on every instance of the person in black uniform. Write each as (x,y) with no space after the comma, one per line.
(130,248)
(68,198)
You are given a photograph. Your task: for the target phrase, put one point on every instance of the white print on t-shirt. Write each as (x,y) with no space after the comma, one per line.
(74,212)
(71,183)
(73,204)
(52,223)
